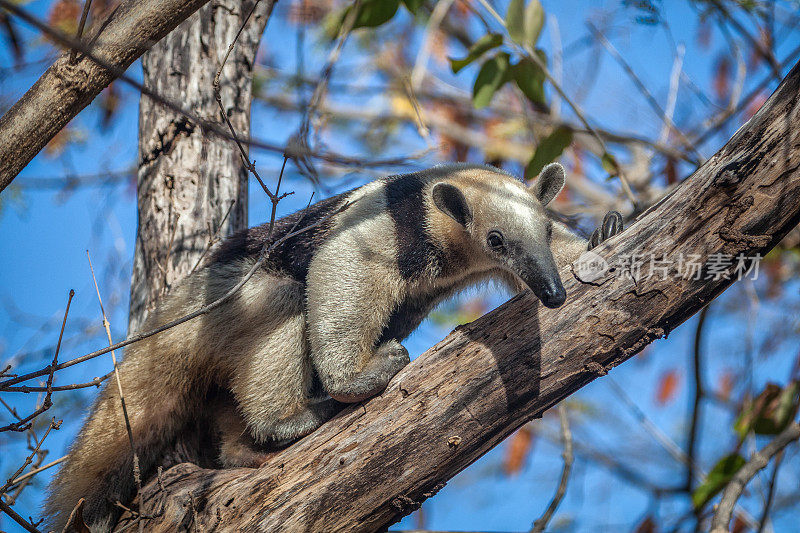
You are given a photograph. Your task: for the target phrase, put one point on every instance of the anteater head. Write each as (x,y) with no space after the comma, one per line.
(505,223)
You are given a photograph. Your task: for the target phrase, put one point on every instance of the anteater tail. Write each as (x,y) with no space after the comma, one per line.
(99,467)
(159,378)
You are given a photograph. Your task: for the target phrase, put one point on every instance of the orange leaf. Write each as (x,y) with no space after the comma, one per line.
(722,78)
(671,172)
(726,382)
(64,16)
(519,446)
(739,524)
(667,386)
(754,105)
(765,40)
(109,103)
(704,34)
(55,146)
(647,525)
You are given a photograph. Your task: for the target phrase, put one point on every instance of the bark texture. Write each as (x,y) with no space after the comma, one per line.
(187,180)
(379,460)
(66,88)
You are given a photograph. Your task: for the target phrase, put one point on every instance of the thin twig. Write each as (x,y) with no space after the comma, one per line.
(434,21)
(30,474)
(17,518)
(663,439)
(213,238)
(96,382)
(558,63)
(29,459)
(691,446)
(741,75)
(299,140)
(759,460)
(672,98)
(251,167)
(566,439)
(717,123)
(86,5)
(773,478)
(659,111)
(757,45)
(136,473)
(276,197)
(50,370)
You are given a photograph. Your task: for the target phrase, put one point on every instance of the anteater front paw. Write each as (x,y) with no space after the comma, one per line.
(612,225)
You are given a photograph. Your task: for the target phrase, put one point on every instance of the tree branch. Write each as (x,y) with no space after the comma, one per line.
(67,87)
(561,490)
(379,460)
(735,487)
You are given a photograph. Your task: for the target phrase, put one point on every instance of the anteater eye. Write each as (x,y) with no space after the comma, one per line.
(495,240)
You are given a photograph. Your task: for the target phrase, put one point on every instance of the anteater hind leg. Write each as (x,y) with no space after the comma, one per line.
(239,448)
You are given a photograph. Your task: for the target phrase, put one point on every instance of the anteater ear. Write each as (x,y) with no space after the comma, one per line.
(549,183)
(450,201)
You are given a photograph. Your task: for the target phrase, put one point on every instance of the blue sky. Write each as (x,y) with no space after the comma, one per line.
(45,233)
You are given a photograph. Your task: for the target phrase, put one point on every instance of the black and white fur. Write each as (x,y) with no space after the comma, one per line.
(319,326)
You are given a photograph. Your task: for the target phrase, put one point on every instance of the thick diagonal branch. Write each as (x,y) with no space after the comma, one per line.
(67,87)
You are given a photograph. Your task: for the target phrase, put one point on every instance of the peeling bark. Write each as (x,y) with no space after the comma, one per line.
(379,460)
(187,181)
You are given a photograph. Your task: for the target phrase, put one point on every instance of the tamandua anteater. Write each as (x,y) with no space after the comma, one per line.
(319,326)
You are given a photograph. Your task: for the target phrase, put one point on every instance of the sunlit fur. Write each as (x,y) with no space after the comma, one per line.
(288,349)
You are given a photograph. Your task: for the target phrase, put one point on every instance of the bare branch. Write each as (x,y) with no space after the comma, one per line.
(87,4)
(22,425)
(35,471)
(136,473)
(96,382)
(762,522)
(659,111)
(566,439)
(65,88)
(28,526)
(757,462)
(699,392)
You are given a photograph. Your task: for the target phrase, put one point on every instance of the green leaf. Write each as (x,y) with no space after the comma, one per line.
(492,76)
(786,410)
(716,480)
(610,164)
(534,22)
(413,5)
(515,20)
(530,78)
(548,150)
(481,46)
(525,24)
(770,412)
(373,13)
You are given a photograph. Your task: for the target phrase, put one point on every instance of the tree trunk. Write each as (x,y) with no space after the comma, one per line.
(66,87)
(379,460)
(188,181)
